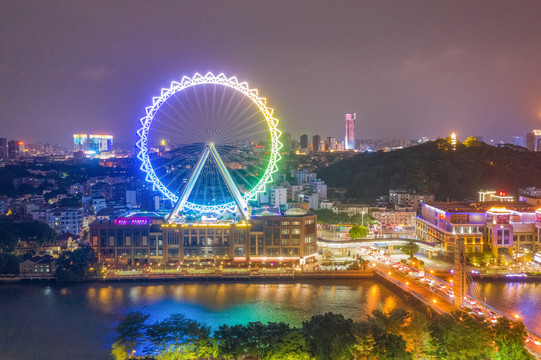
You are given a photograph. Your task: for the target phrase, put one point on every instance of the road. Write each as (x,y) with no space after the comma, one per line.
(438,301)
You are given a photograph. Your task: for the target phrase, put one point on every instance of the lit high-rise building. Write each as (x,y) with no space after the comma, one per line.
(518,140)
(93,144)
(80,142)
(350,132)
(533,140)
(331,144)
(304,141)
(3,149)
(316,143)
(100,143)
(15,149)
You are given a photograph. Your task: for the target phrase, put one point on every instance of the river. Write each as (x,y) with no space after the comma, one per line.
(76,322)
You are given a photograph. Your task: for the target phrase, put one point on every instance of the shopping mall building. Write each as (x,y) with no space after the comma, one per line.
(146,238)
(501,227)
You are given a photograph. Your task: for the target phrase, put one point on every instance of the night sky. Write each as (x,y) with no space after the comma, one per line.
(407,68)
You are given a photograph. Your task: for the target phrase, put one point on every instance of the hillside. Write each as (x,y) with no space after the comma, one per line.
(435,167)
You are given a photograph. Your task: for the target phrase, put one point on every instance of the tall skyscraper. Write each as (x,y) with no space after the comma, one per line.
(3,149)
(13,149)
(93,144)
(518,140)
(80,142)
(533,140)
(350,132)
(331,144)
(316,143)
(304,141)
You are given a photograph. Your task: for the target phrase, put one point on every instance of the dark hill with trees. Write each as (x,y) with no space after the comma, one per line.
(453,174)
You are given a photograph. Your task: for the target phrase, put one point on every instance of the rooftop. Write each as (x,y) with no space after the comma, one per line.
(481,207)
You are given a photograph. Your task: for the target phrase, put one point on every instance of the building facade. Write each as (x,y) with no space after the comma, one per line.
(144,238)
(65,220)
(349,143)
(507,229)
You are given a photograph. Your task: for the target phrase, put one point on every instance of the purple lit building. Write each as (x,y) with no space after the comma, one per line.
(349,143)
(510,228)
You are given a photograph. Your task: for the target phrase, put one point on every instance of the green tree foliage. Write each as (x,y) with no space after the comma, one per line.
(391,321)
(390,335)
(435,168)
(410,248)
(480,258)
(159,334)
(326,216)
(12,230)
(509,338)
(418,337)
(329,336)
(9,264)
(8,234)
(252,340)
(358,231)
(460,337)
(472,141)
(76,265)
(291,346)
(130,330)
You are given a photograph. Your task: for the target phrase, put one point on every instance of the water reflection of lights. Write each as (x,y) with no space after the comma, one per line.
(389,304)
(242,302)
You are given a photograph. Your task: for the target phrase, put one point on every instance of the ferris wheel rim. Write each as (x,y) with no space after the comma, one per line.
(211,79)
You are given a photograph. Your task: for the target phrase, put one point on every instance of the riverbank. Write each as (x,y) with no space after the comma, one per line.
(215,275)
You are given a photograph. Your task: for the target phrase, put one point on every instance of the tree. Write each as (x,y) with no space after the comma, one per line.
(184,330)
(417,337)
(410,248)
(36,233)
(254,339)
(363,348)
(130,330)
(291,346)
(8,234)
(76,265)
(159,333)
(32,231)
(471,141)
(528,257)
(118,352)
(392,321)
(509,339)
(329,336)
(9,264)
(358,231)
(460,337)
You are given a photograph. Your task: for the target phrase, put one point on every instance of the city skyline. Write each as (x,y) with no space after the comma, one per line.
(407,70)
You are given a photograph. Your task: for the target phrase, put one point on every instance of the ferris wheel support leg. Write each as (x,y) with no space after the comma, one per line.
(183,197)
(229,182)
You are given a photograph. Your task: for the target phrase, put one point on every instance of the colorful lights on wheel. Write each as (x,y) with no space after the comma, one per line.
(210,79)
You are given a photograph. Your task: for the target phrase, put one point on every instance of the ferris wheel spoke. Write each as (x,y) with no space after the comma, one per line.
(205,113)
(188,114)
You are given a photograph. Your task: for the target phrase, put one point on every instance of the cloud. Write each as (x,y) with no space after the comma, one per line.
(96,73)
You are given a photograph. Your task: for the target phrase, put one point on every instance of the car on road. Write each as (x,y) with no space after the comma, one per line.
(477,311)
(469,301)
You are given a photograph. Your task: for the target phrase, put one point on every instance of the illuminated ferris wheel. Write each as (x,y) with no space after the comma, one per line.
(210,144)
